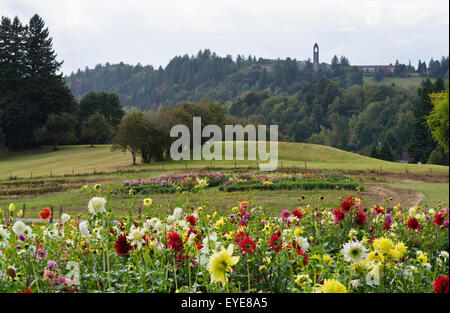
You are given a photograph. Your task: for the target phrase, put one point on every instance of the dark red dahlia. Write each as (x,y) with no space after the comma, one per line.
(192,220)
(247,245)
(441,284)
(297,214)
(122,246)
(439,219)
(360,217)
(413,223)
(339,215)
(387,225)
(175,242)
(347,204)
(276,243)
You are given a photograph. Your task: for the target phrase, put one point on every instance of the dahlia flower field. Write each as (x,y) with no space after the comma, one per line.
(171,183)
(347,249)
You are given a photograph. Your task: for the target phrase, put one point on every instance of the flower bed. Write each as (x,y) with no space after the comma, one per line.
(240,182)
(349,248)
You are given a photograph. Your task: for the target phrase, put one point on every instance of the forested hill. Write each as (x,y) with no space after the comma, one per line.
(189,78)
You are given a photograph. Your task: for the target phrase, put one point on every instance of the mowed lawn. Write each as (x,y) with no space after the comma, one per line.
(436,194)
(70,160)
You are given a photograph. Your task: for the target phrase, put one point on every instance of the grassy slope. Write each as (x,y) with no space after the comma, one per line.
(84,159)
(435,193)
(406,82)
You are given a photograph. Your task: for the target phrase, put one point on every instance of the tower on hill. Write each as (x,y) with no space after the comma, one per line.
(316,56)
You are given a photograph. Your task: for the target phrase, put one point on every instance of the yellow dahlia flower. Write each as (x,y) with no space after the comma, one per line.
(332,286)
(220,263)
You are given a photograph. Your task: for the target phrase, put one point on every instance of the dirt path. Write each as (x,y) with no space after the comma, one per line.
(380,193)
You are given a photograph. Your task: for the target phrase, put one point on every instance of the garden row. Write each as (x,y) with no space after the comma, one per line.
(348,248)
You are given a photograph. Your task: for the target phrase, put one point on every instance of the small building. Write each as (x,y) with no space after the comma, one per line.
(376,68)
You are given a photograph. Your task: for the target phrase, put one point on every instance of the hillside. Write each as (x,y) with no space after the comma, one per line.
(83,160)
(189,78)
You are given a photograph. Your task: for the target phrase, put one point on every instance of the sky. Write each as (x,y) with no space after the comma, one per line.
(89,32)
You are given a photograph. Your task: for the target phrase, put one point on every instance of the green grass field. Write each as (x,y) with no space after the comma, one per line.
(83,160)
(406,82)
(435,193)
(70,160)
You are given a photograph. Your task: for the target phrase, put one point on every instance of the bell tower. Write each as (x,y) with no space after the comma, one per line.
(316,56)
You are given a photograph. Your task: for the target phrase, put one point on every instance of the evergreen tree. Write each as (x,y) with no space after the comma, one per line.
(374,152)
(13,106)
(30,88)
(422,143)
(386,152)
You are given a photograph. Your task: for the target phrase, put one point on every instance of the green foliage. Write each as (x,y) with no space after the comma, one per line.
(437,121)
(58,129)
(386,152)
(422,143)
(131,135)
(438,156)
(291,185)
(96,130)
(352,118)
(106,104)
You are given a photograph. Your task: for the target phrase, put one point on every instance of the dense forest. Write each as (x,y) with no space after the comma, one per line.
(364,119)
(328,106)
(191,78)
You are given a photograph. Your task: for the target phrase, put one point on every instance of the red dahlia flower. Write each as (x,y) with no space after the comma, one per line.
(297,213)
(339,215)
(439,219)
(413,223)
(276,243)
(441,284)
(347,204)
(175,242)
(122,246)
(192,220)
(239,236)
(45,213)
(247,245)
(360,217)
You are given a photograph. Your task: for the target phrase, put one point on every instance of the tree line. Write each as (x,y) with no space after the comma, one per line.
(189,78)
(36,106)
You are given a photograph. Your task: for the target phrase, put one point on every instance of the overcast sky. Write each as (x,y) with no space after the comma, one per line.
(88,32)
